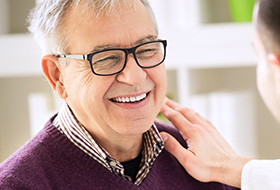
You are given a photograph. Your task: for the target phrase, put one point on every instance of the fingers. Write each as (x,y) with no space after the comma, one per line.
(183,155)
(186,112)
(190,115)
(178,120)
(208,151)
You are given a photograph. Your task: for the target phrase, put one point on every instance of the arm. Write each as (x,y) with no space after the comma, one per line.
(209,157)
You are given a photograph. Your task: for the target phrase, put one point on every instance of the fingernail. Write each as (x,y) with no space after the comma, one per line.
(164,137)
(165,113)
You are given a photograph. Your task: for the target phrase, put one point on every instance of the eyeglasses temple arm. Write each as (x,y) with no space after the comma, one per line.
(83,57)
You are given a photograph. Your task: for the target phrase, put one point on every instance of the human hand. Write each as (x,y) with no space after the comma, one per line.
(208,157)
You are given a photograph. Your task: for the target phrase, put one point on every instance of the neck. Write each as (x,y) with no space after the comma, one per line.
(122,149)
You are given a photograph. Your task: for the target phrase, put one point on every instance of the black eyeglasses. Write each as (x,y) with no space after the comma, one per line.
(113,61)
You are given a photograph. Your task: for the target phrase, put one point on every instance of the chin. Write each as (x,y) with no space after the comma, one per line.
(135,127)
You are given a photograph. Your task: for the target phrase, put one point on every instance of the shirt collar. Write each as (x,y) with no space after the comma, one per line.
(67,123)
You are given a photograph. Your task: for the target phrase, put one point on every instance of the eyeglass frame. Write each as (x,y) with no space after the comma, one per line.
(127,51)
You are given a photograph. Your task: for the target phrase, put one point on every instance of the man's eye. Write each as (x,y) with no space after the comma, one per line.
(106,60)
(146,52)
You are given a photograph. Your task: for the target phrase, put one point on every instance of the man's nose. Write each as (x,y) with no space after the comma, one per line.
(132,74)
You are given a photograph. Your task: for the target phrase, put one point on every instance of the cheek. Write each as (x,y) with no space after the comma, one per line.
(83,88)
(160,76)
(262,81)
(164,80)
(265,82)
(88,99)
(94,90)
(262,73)
(259,78)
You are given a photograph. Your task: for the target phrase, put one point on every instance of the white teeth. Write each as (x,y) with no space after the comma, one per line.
(138,98)
(130,99)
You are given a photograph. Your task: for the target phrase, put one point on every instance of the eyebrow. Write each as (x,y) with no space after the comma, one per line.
(146,39)
(112,46)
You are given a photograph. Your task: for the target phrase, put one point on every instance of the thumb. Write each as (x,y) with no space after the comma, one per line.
(183,155)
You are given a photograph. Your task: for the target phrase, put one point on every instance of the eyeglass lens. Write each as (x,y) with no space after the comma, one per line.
(112,61)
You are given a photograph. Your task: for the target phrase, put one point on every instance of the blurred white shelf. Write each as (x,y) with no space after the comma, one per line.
(20,56)
(211,46)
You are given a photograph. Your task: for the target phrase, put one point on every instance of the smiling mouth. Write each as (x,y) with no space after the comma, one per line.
(132,99)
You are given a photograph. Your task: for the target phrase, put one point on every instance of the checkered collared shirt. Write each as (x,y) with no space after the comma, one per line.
(67,123)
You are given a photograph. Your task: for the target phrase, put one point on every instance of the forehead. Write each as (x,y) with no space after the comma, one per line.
(123,27)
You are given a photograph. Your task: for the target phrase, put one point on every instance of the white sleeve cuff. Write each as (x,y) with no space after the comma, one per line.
(260,175)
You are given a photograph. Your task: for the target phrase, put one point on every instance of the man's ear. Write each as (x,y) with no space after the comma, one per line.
(52,71)
(274,60)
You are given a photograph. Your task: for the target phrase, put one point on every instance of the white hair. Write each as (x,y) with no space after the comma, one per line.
(46,20)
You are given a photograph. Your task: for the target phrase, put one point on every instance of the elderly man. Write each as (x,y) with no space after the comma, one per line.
(105,60)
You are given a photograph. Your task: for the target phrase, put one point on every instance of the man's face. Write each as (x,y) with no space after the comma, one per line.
(90,96)
(266,76)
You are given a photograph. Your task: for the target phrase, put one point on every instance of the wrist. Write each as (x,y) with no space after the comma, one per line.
(231,170)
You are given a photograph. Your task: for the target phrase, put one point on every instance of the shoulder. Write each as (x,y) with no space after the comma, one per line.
(176,169)
(163,127)
(34,146)
(28,163)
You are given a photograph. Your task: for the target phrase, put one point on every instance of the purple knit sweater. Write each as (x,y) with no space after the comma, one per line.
(51,161)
